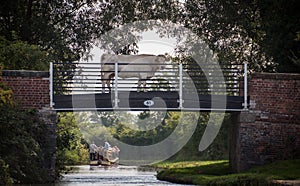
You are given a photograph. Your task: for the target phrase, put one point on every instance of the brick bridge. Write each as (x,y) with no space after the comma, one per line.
(268,131)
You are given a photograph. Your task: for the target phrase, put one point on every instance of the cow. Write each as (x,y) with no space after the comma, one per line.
(141,66)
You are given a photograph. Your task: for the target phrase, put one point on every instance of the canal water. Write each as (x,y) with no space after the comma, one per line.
(112,176)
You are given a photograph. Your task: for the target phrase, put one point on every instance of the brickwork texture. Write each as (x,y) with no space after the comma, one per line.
(274,131)
(30,88)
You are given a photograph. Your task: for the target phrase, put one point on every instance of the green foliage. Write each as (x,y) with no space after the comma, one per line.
(5,95)
(142,132)
(62,28)
(219,149)
(148,128)
(22,145)
(280,23)
(144,128)
(5,178)
(19,55)
(262,33)
(71,148)
(5,92)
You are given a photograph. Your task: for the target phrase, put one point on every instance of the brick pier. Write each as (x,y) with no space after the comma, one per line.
(270,130)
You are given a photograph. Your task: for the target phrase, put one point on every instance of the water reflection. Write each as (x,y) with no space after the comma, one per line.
(116,176)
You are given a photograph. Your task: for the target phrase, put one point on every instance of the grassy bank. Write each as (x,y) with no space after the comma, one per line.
(218,173)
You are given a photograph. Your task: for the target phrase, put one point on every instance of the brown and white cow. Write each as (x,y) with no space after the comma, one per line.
(141,66)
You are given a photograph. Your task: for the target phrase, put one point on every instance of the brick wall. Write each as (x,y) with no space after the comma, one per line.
(30,88)
(277,97)
(270,130)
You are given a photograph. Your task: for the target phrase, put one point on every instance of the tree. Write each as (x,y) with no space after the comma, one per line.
(261,32)
(19,55)
(23,144)
(62,28)
(280,21)
(71,148)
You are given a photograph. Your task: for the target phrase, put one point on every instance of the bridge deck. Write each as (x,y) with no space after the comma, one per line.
(139,101)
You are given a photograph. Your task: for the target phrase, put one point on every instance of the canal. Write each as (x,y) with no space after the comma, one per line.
(112,176)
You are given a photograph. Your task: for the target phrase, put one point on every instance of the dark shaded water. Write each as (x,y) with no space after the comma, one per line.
(113,176)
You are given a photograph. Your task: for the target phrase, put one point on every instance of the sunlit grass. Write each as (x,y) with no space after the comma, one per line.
(218,173)
(289,169)
(185,164)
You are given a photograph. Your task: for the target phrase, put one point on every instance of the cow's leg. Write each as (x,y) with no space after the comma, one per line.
(106,79)
(144,85)
(139,85)
(142,81)
(103,83)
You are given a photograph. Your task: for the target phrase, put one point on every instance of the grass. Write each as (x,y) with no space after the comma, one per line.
(218,173)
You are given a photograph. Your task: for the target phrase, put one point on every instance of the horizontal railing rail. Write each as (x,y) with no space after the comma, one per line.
(87,78)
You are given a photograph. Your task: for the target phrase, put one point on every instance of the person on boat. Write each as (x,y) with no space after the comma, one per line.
(93,149)
(116,152)
(100,151)
(107,146)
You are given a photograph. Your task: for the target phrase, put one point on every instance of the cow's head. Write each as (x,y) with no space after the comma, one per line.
(161,59)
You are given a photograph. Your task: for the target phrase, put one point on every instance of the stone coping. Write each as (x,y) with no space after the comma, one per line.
(276,76)
(25,73)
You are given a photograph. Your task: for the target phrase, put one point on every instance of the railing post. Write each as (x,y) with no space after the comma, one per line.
(116,86)
(245,86)
(180,87)
(51,85)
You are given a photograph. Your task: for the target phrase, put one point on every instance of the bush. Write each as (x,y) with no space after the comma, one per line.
(22,141)
(5,178)
(5,91)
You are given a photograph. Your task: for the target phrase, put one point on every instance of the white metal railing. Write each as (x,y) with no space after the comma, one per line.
(180,86)
(245,86)
(51,92)
(176,74)
(116,85)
